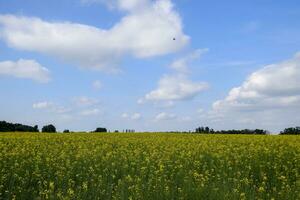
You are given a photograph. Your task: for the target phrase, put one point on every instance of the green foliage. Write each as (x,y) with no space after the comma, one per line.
(291,131)
(49,129)
(149,166)
(100,130)
(10,127)
(207,130)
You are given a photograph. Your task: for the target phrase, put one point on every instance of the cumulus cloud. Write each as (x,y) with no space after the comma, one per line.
(273,86)
(181,64)
(274,90)
(140,33)
(164,116)
(175,87)
(28,69)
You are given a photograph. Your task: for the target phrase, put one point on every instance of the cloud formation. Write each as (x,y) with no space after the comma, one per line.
(28,69)
(90,112)
(84,101)
(164,116)
(42,105)
(134,116)
(175,87)
(50,107)
(273,90)
(274,86)
(146,30)
(181,64)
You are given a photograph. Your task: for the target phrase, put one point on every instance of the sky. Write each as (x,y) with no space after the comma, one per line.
(150,65)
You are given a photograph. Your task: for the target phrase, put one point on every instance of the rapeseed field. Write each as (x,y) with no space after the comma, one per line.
(148,166)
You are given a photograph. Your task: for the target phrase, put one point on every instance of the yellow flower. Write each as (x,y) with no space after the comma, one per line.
(51,185)
(261,189)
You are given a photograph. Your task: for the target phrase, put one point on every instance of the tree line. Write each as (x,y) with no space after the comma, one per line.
(207,130)
(291,131)
(287,131)
(11,127)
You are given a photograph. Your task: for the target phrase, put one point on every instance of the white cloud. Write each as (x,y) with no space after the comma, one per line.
(79,106)
(158,104)
(50,107)
(175,87)
(272,92)
(136,116)
(140,33)
(85,101)
(97,85)
(42,105)
(164,116)
(90,112)
(28,69)
(132,4)
(181,64)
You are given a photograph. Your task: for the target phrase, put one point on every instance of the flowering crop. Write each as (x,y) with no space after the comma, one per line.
(148,166)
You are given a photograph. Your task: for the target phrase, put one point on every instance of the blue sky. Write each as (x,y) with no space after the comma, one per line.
(81,64)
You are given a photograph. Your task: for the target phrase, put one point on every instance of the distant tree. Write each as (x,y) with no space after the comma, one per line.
(260,132)
(245,131)
(10,127)
(116,131)
(49,129)
(204,130)
(66,131)
(207,130)
(36,128)
(291,131)
(130,131)
(100,130)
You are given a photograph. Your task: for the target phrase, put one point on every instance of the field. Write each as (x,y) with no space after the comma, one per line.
(148,166)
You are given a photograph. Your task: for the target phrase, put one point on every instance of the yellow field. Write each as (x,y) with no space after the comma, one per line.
(149,166)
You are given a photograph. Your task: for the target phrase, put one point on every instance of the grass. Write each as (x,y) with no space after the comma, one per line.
(148,166)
